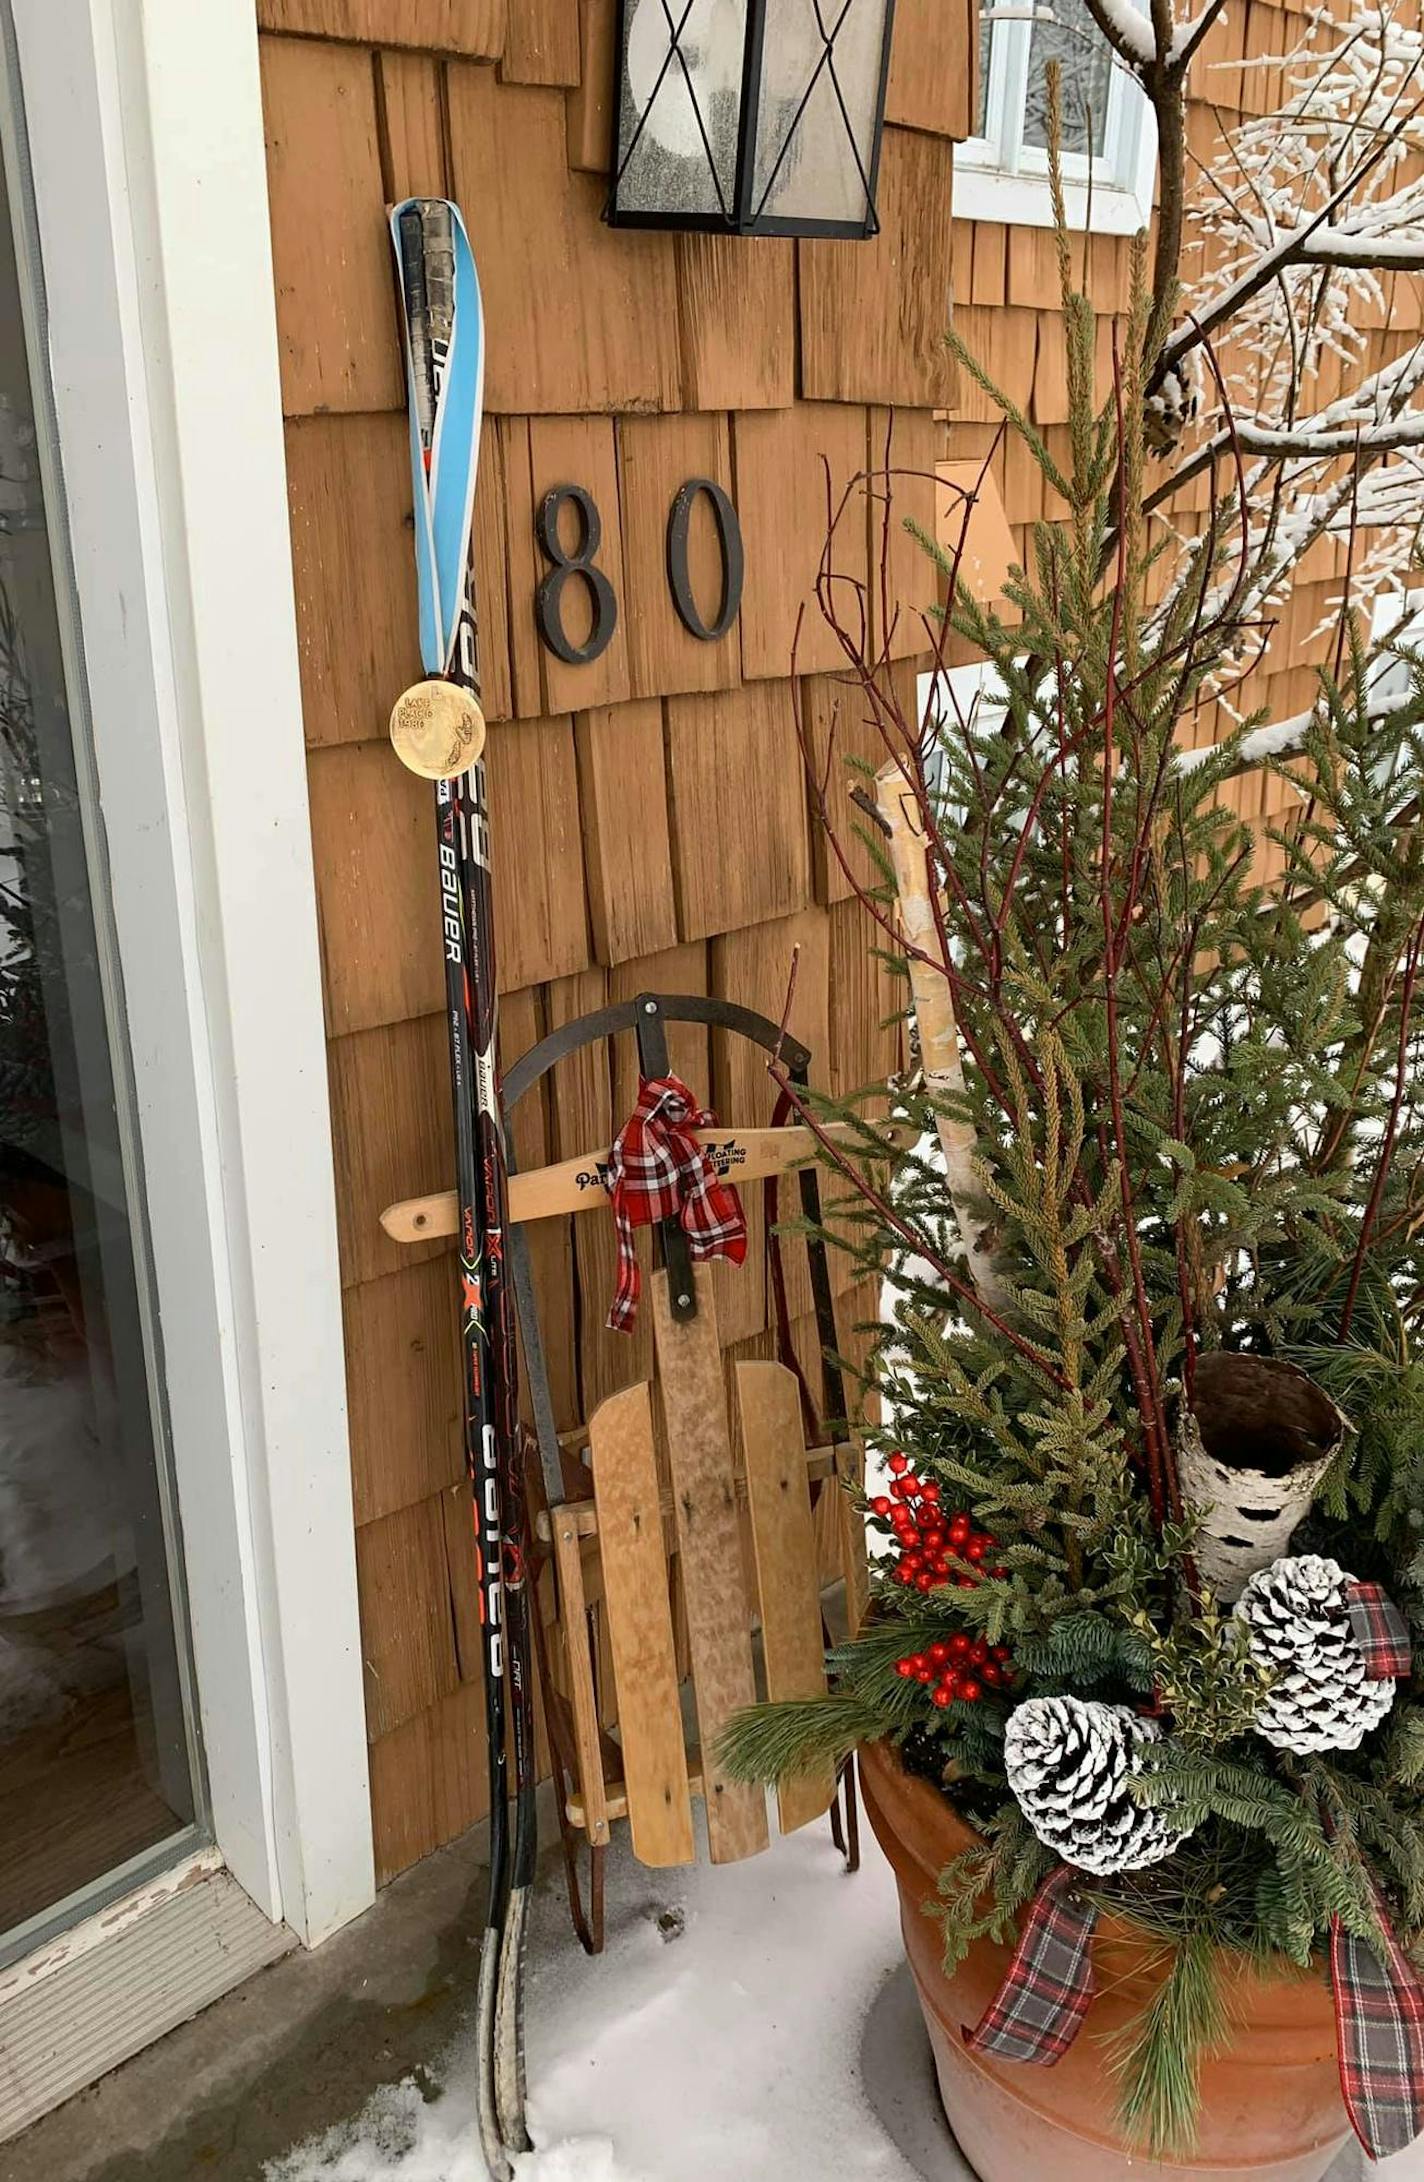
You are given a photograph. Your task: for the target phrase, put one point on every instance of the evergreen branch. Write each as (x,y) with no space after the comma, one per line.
(961,1289)
(769,1743)
(1158,2057)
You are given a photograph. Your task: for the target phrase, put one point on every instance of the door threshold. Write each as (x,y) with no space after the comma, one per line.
(85,2000)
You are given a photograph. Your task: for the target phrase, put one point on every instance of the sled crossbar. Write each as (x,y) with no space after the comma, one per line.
(582,1184)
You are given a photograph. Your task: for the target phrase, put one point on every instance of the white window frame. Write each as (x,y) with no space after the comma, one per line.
(1396,616)
(971,692)
(998,177)
(145,129)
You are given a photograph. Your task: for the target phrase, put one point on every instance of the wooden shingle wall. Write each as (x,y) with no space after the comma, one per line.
(650,822)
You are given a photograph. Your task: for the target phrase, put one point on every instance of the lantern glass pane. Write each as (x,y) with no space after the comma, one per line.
(681,106)
(820,97)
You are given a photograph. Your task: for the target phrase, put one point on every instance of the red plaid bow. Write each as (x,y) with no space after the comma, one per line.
(1038,2010)
(1379,2031)
(1380,1630)
(661,1172)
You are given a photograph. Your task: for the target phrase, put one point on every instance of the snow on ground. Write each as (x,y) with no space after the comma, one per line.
(727,2053)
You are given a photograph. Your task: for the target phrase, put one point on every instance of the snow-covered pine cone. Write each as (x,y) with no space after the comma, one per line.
(1068,1761)
(1297,1614)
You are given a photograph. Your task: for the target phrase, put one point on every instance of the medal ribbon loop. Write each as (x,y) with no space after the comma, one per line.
(443,327)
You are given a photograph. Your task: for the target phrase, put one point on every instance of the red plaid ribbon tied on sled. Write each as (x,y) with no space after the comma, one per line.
(660,1172)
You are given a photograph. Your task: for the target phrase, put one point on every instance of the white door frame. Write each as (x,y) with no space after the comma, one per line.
(145,127)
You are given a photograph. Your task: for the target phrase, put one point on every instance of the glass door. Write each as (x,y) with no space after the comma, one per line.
(100,1777)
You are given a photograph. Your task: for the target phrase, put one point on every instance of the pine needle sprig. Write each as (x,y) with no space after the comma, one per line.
(1158,2057)
(980,1891)
(775,1742)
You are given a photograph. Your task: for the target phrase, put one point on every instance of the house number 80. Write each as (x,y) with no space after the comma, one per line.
(582,562)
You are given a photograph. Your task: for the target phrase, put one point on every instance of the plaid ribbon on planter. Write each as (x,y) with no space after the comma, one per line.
(1379,2010)
(1379,2032)
(1037,2011)
(1380,1630)
(660,1172)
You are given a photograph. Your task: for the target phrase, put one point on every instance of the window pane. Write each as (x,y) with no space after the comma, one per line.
(95,1760)
(1085,61)
(986,46)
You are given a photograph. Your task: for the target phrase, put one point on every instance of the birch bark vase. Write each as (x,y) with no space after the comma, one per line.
(1252,1451)
(940,1058)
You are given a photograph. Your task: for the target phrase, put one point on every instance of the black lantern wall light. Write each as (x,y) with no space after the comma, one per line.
(750,117)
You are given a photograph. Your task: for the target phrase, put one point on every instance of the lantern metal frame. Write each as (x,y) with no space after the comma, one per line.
(743,219)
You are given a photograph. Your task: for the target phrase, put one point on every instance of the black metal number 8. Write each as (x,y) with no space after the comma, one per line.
(549,598)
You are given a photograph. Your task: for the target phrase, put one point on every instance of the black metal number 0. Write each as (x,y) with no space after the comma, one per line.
(549,598)
(729,533)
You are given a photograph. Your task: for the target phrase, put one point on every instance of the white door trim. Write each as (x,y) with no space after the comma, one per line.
(146,138)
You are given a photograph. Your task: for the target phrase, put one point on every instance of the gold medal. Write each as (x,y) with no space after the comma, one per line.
(438,729)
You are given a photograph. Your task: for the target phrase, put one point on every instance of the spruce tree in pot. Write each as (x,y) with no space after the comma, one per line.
(1134,1699)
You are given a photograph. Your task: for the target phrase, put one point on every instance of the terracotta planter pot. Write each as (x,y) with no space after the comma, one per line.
(1271,2106)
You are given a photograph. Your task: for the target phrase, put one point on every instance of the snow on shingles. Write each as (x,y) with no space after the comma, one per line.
(727,2054)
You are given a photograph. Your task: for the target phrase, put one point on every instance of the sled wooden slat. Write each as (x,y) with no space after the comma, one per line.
(578,1185)
(709,1541)
(583,1698)
(788,1581)
(635,1582)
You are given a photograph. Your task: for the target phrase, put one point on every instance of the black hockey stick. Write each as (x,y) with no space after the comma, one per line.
(440,731)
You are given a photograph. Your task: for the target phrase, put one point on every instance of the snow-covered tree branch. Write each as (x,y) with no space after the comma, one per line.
(1284,355)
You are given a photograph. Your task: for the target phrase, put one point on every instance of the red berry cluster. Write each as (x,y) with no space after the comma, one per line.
(928,1538)
(959,1667)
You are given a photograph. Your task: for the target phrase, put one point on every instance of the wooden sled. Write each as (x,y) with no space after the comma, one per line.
(674,1534)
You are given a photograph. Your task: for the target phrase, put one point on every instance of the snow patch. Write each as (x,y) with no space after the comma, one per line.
(580,2159)
(734,2052)
(1132,29)
(1272,741)
(400,2131)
